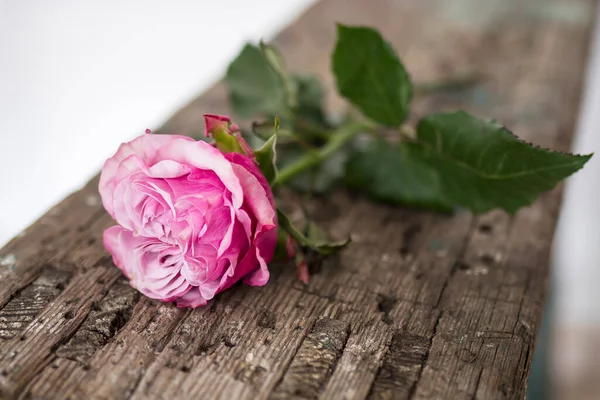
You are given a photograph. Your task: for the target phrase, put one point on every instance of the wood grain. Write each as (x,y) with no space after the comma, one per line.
(419,306)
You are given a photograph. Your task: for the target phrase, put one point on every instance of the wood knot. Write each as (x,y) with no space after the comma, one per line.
(69,314)
(466,355)
(266,319)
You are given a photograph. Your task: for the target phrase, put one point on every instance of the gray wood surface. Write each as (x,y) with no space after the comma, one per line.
(419,306)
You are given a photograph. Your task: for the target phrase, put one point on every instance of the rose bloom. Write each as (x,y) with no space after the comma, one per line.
(192,220)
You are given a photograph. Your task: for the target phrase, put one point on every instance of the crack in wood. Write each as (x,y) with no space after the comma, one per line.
(105,319)
(314,361)
(30,356)
(399,371)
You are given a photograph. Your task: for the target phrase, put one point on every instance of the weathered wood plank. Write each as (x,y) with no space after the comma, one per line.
(56,232)
(314,361)
(20,311)
(418,306)
(23,356)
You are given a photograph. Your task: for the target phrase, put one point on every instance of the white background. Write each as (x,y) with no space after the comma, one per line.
(79,77)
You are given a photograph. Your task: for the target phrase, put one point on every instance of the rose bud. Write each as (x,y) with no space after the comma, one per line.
(227,135)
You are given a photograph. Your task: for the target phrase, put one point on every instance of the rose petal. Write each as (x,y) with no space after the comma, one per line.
(256,198)
(140,259)
(192,299)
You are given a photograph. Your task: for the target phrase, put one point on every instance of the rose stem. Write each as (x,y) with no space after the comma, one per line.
(452,83)
(309,160)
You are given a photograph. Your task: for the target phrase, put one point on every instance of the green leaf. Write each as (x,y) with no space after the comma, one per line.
(396,174)
(322,178)
(318,180)
(275,61)
(322,241)
(310,96)
(265,156)
(281,251)
(458,159)
(369,74)
(318,244)
(263,129)
(255,141)
(484,166)
(254,88)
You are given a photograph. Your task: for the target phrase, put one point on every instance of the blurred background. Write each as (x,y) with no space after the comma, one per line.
(79,77)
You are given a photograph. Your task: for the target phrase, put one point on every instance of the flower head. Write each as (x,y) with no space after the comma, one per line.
(192,219)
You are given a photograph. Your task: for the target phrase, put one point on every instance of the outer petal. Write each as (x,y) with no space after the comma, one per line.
(259,199)
(140,260)
(265,248)
(255,197)
(261,205)
(251,167)
(192,299)
(119,243)
(145,147)
(234,273)
(148,152)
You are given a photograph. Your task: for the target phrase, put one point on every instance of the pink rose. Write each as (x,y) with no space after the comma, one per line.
(192,220)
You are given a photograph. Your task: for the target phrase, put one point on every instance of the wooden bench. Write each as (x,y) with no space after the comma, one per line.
(420,305)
